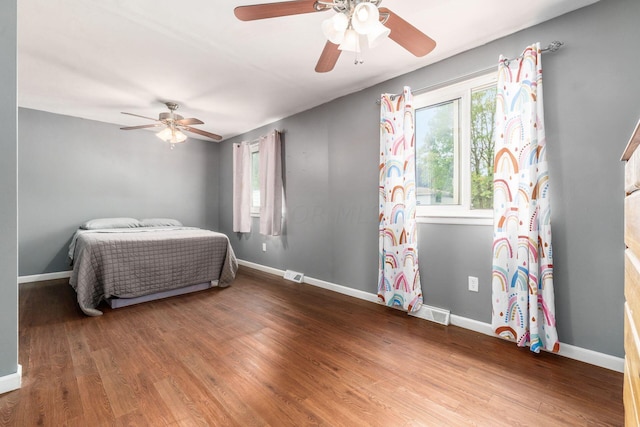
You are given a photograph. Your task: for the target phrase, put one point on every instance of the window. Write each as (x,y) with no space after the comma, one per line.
(255,178)
(454,152)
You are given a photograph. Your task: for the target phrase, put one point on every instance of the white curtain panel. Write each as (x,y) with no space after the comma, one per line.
(241,188)
(270,171)
(522,283)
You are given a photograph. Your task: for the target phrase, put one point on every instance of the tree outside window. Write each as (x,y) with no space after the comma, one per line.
(483,110)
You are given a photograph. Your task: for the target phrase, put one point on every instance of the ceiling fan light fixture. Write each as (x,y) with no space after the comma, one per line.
(351,41)
(378,33)
(173,136)
(365,17)
(334,28)
(164,134)
(178,137)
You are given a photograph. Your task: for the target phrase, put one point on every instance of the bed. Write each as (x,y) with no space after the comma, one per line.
(123,261)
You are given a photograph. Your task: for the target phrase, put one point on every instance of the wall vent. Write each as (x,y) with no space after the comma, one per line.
(434,314)
(294,276)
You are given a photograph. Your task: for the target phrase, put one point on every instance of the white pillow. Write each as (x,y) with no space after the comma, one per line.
(98,223)
(160,222)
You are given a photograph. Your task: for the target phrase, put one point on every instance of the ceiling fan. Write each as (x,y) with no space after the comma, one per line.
(173,124)
(356,21)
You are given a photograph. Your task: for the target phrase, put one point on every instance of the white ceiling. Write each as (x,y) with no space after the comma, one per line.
(96,58)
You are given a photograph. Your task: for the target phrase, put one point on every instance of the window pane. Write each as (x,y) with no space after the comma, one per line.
(437,148)
(483,109)
(255,180)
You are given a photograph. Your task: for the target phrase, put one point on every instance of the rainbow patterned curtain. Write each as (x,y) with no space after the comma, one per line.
(522,282)
(398,274)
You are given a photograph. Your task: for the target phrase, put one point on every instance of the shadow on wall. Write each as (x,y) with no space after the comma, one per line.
(61,258)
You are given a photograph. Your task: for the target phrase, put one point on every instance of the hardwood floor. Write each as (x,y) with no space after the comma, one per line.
(270,352)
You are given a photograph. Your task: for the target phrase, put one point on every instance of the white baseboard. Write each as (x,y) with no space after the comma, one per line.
(260,267)
(11,382)
(315,282)
(567,350)
(473,325)
(45,276)
(367,296)
(592,357)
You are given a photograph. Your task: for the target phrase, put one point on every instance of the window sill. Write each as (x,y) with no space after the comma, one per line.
(459,220)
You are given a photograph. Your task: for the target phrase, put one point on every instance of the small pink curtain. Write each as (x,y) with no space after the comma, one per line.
(270,171)
(522,281)
(241,188)
(398,273)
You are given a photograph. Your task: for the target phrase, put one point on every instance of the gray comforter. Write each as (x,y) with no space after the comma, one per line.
(128,263)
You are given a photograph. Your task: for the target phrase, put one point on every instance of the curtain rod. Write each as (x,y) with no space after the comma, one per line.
(552,47)
(258,138)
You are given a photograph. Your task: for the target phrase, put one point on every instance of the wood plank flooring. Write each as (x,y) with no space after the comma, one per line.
(270,352)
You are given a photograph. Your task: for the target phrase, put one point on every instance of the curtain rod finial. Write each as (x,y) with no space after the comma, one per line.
(554,45)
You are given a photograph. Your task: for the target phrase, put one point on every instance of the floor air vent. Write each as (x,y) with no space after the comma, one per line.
(434,314)
(294,276)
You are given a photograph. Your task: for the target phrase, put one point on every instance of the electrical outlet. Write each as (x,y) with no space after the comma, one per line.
(473,284)
(264,247)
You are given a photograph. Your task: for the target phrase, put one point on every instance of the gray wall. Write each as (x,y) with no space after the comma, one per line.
(591,106)
(72,170)
(330,164)
(8,190)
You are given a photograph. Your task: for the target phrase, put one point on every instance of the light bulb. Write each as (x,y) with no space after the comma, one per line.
(351,41)
(164,134)
(334,27)
(378,33)
(171,135)
(340,21)
(365,17)
(177,136)
(362,14)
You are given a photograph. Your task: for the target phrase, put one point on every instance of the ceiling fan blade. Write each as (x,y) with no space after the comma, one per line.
(141,126)
(137,115)
(190,121)
(273,10)
(406,35)
(328,58)
(202,132)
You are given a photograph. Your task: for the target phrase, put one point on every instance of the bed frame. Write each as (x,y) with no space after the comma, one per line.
(125,302)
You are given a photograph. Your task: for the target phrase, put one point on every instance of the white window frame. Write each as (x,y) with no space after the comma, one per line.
(254,147)
(462,213)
